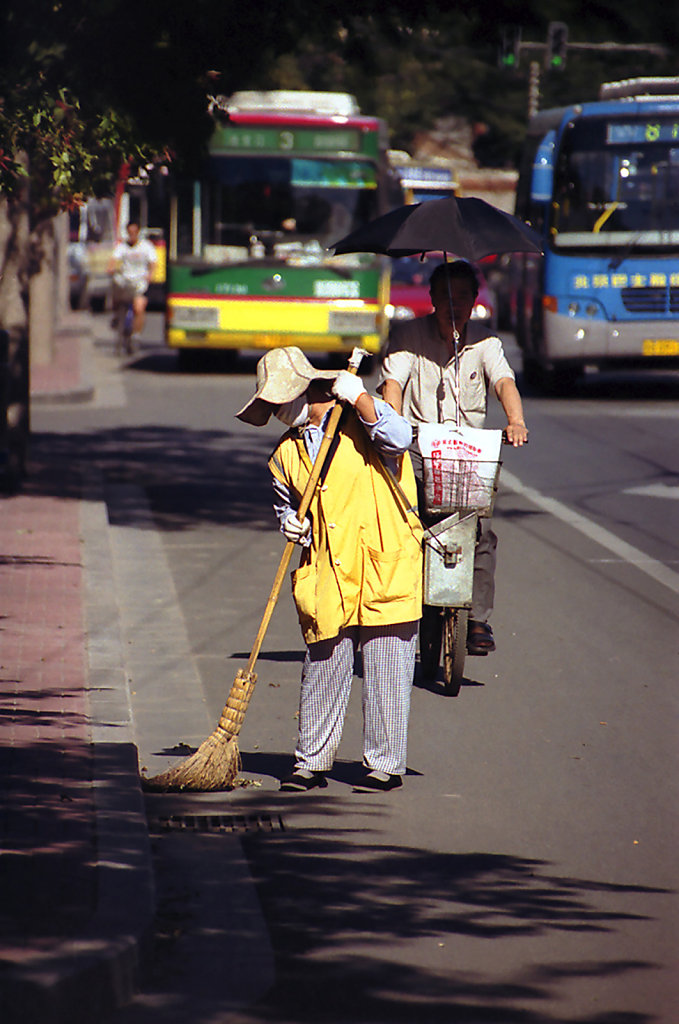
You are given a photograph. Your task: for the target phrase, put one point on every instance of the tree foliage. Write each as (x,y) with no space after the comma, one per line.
(85,84)
(416,71)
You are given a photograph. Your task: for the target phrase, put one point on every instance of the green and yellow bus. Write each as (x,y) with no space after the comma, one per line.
(250,264)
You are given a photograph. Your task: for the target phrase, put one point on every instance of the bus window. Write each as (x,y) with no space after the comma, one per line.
(298,198)
(603,187)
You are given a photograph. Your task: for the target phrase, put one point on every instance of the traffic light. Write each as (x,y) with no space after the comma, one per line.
(557,44)
(509,51)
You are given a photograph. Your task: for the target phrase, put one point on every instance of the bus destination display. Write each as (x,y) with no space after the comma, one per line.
(625,132)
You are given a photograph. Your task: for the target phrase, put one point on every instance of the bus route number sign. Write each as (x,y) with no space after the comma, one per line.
(285,140)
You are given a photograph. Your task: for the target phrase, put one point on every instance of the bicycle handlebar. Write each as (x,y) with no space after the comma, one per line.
(505,439)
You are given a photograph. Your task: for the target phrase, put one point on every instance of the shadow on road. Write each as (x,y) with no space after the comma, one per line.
(333,900)
(611,386)
(190,476)
(338,907)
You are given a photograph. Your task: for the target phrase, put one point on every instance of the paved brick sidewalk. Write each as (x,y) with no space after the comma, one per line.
(45,759)
(66,377)
(71,818)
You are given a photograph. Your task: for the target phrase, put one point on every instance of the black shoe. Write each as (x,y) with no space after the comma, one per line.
(378,782)
(480,639)
(302,780)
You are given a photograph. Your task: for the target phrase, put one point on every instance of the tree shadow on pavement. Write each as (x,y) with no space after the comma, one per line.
(364,933)
(190,476)
(337,904)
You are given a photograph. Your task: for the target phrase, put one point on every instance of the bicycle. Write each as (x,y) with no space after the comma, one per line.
(458,492)
(126,342)
(124,338)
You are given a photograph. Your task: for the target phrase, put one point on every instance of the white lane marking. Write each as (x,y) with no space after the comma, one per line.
(655,491)
(647,412)
(627,552)
(617,561)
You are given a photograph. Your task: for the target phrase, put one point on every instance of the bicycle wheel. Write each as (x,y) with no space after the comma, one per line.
(454,648)
(129,339)
(130,343)
(121,340)
(430,641)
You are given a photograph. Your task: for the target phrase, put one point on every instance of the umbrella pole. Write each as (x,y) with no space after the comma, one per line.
(456,344)
(456,340)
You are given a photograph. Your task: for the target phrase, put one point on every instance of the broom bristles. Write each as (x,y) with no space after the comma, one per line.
(216,763)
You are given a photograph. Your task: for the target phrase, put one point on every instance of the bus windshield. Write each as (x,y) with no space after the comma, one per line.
(283,199)
(617,182)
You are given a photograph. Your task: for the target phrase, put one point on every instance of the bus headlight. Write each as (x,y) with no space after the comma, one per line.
(399,312)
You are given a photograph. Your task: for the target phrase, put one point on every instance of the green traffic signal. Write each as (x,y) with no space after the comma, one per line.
(509,49)
(557,44)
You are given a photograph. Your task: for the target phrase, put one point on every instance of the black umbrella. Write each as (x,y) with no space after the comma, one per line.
(468,227)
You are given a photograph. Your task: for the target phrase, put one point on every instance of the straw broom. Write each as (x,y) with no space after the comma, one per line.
(216,763)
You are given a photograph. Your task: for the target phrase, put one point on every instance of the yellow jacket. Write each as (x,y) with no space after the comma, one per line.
(364,564)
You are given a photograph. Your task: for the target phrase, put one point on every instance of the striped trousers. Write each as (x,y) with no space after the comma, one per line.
(388,654)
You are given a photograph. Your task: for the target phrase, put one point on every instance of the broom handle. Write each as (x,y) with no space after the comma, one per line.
(309,490)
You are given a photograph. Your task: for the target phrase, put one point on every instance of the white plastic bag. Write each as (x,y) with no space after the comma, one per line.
(460,466)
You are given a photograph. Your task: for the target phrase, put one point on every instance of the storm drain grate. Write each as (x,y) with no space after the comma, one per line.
(218,823)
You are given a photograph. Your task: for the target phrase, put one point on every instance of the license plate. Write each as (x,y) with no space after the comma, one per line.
(194,318)
(660,347)
(351,323)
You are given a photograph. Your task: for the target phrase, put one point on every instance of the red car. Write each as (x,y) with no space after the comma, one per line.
(409,295)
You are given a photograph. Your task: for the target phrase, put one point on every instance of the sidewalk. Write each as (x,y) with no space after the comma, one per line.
(67,377)
(74,850)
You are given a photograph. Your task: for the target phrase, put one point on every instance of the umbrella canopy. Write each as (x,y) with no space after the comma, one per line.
(468,227)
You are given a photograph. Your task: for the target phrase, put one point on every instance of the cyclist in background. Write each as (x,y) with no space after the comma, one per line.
(131,265)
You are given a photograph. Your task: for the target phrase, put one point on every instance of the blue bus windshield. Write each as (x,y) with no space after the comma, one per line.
(616,178)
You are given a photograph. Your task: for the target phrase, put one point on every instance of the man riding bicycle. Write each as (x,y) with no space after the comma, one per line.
(132,264)
(418,380)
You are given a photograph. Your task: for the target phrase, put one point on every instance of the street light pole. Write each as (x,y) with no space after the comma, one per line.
(534,88)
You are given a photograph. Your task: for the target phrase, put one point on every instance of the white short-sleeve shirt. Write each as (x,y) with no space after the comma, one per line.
(136,260)
(419,360)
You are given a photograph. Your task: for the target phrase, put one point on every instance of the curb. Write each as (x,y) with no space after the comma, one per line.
(82,393)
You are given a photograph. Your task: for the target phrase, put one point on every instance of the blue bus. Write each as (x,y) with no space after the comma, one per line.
(600,182)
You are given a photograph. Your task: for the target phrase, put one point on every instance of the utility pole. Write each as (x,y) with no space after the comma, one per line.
(534,88)
(553,53)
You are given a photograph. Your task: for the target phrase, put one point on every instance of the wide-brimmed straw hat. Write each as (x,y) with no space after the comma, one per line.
(283,374)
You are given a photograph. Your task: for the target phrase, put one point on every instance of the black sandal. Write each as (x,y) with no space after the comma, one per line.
(301,781)
(479,638)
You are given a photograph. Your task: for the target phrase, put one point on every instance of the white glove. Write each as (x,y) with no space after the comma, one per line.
(295,531)
(348,387)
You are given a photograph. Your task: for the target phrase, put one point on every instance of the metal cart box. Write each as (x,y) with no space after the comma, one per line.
(449,561)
